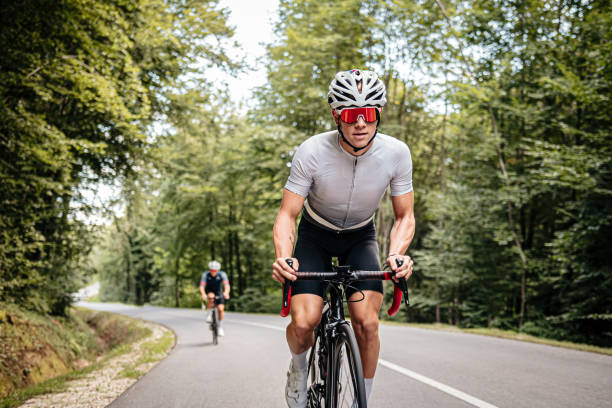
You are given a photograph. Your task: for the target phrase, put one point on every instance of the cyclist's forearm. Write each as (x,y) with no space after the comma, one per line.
(284,236)
(401,235)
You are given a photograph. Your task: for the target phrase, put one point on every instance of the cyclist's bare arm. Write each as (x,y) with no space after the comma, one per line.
(226,290)
(202,291)
(284,235)
(402,233)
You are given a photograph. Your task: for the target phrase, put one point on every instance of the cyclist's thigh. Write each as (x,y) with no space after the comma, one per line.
(312,258)
(363,255)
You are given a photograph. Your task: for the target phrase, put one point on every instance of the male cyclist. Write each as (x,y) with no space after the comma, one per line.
(343,174)
(210,287)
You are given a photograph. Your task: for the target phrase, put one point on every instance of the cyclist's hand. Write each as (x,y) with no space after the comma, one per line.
(226,296)
(403,271)
(281,270)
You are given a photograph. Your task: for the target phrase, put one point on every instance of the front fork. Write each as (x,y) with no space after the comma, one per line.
(332,342)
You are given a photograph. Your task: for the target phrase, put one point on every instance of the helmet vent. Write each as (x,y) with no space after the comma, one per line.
(340,85)
(373,93)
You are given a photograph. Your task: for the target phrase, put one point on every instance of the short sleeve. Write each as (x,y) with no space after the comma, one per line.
(224,277)
(300,178)
(401,182)
(203,279)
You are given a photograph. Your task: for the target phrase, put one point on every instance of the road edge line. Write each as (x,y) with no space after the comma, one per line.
(433,383)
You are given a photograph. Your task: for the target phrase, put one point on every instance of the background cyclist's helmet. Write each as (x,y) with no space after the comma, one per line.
(214,265)
(344,92)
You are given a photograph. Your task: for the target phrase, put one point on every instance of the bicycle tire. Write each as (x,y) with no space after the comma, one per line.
(348,371)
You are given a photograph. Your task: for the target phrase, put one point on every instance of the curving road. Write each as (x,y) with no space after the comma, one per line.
(419,368)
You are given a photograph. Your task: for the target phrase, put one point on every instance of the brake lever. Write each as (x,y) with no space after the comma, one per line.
(402,284)
(287,292)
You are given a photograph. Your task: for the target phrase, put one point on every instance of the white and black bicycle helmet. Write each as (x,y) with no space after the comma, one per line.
(214,265)
(344,90)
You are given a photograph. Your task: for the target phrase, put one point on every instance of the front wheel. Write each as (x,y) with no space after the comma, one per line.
(349,388)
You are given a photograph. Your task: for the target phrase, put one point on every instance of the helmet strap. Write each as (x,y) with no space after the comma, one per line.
(356,149)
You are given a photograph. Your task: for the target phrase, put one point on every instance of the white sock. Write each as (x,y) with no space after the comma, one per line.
(219,323)
(299,360)
(368,386)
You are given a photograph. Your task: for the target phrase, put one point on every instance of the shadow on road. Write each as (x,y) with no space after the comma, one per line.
(192,345)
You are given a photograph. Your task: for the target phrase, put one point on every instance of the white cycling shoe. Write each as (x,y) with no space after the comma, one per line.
(220,332)
(295,390)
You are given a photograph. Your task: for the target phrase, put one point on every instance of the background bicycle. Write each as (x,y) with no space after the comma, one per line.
(213,319)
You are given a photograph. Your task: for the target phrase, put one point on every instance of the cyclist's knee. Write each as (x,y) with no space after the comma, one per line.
(305,313)
(304,323)
(365,326)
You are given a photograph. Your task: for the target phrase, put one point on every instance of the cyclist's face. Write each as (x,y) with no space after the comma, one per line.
(213,272)
(358,133)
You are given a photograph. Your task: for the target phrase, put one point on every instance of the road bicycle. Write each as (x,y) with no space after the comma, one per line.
(335,373)
(214,323)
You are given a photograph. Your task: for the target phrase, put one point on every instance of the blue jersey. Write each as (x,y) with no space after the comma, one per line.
(213,283)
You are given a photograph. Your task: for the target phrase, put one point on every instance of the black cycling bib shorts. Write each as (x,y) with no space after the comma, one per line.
(316,246)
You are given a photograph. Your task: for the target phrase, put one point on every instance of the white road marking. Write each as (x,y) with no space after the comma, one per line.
(265,326)
(433,383)
(401,370)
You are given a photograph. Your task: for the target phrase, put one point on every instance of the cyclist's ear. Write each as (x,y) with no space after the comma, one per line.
(335,115)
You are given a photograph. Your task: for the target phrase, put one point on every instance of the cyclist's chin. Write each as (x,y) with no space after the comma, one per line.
(359,140)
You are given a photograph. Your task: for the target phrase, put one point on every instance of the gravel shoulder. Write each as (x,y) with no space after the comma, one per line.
(102,386)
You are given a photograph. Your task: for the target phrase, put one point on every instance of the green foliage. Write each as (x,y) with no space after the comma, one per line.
(78,89)
(254,301)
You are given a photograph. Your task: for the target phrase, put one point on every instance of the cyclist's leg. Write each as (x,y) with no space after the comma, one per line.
(210,301)
(220,305)
(221,309)
(306,307)
(306,296)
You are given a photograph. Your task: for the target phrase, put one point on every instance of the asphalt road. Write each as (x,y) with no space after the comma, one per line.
(419,368)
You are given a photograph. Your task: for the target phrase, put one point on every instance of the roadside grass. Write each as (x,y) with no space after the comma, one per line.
(506,334)
(151,352)
(115,334)
(57,384)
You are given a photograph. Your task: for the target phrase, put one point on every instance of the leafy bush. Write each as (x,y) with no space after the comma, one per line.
(254,301)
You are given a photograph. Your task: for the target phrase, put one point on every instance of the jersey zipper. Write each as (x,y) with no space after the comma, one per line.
(348,207)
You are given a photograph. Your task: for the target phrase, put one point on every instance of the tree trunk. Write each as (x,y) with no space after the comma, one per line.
(238,264)
(177,280)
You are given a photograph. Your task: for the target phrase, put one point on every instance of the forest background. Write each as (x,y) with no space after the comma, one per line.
(505,106)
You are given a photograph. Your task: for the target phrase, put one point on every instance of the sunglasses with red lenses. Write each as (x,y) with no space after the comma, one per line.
(351,115)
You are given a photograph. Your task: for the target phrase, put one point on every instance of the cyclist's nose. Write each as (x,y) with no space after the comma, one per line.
(360,121)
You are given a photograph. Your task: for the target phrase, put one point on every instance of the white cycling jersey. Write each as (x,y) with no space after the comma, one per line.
(343,191)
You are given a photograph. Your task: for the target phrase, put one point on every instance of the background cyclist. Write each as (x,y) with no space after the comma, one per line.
(210,286)
(344,174)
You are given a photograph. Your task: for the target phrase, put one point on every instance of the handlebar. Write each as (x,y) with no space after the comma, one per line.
(344,274)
